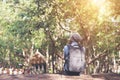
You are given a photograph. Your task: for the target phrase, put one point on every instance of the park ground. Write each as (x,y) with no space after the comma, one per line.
(108,76)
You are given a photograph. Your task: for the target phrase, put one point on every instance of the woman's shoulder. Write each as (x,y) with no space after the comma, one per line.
(66,46)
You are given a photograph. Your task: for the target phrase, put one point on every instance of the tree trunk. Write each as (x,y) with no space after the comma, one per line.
(47,58)
(53,57)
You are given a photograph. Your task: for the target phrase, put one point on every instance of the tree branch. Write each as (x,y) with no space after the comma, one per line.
(98,57)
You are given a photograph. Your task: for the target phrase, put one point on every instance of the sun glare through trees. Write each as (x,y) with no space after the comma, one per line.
(103,7)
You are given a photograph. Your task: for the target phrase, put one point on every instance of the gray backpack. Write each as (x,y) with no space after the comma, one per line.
(76,58)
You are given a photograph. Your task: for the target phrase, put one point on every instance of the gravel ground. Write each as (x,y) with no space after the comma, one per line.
(60,77)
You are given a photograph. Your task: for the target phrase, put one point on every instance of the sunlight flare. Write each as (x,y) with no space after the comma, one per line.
(98,2)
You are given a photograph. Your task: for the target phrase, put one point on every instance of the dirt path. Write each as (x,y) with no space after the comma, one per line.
(59,77)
